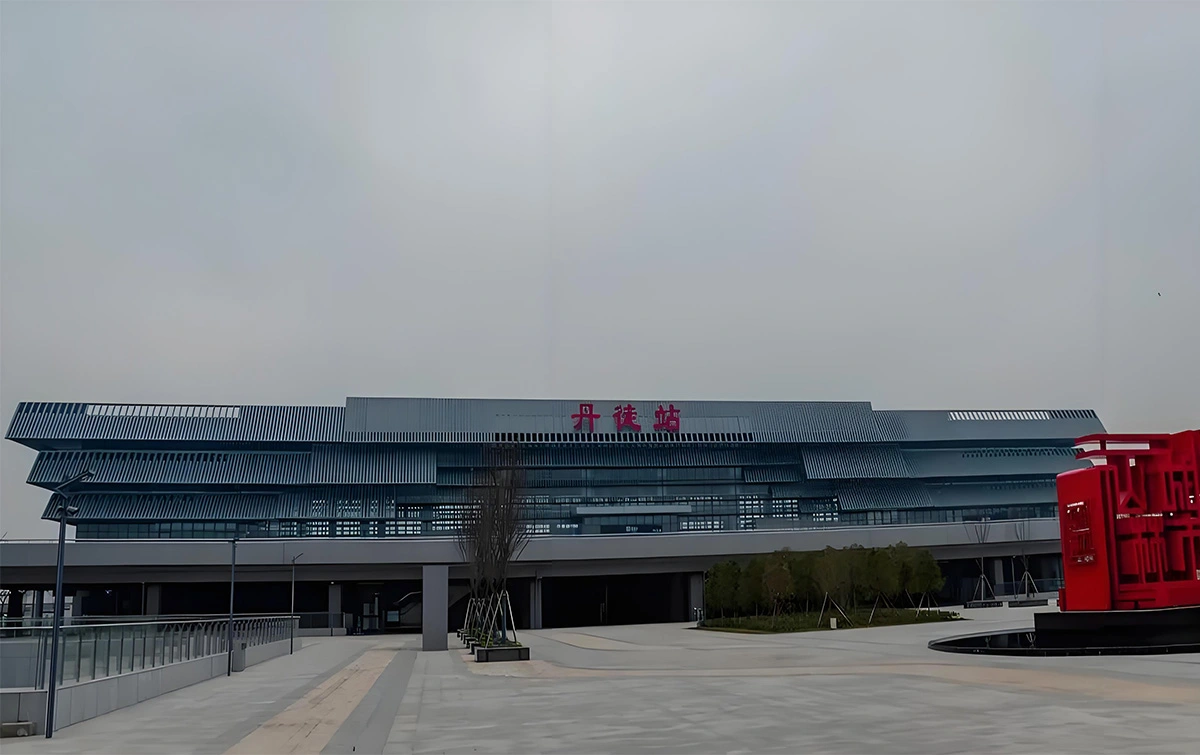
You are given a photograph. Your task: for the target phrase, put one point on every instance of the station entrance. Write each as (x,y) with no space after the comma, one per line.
(614,599)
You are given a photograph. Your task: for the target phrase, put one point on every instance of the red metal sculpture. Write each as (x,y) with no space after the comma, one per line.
(1130,524)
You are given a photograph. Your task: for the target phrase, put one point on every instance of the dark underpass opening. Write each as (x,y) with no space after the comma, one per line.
(618,599)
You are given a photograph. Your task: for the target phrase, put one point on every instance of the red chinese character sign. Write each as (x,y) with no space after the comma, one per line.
(666,420)
(588,414)
(626,416)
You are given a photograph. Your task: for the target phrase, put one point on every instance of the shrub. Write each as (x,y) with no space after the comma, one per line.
(750,587)
(777,581)
(785,582)
(721,589)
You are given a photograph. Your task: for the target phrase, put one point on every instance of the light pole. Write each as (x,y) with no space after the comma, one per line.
(292,610)
(63,491)
(229,629)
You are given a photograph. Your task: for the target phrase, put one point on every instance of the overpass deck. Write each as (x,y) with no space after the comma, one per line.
(33,562)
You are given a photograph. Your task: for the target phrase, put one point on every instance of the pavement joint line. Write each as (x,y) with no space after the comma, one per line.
(307,725)
(242,729)
(404,726)
(367,728)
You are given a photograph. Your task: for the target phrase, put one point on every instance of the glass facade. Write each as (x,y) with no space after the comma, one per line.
(581,516)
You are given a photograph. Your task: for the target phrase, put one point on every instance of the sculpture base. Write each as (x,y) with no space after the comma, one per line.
(1143,632)
(1148,627)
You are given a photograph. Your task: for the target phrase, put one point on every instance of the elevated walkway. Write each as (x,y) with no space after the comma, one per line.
(108,666)
(98,561)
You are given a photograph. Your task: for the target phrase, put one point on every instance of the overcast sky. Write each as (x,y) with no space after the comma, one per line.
(950,205)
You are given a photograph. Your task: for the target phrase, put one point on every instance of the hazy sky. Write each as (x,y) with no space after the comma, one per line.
(970,205)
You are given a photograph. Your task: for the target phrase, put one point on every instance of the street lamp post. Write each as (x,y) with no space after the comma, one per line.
(229,629)
(63,510)
(292,611)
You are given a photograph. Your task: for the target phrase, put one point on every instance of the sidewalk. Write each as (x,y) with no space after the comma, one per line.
(209,717)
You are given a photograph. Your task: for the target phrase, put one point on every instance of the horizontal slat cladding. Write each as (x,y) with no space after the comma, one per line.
(774,474)
(31,416)
(350,464)
(891,428)
(966,495)
(854,462)
(943,426)
(816,422)
(432,420)
(415,437)
(788,490)
(173,507)
(632,456)
(469,457)
(455,477)
(173,468)
(911,495)
(979,462)
(52,421)
(398,420)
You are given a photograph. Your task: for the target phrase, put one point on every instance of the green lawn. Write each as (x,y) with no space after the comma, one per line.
(807,622)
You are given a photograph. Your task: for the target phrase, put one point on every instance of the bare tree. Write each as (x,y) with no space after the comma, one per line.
(472,540)
(495,526)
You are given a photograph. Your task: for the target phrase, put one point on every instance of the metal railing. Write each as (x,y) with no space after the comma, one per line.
(1021,589)
(322,620)
(31,622)
(306,620)
(96,651)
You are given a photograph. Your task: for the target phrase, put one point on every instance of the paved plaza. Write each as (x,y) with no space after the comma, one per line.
(666,689)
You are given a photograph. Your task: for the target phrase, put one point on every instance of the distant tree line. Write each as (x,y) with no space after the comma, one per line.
(787,582)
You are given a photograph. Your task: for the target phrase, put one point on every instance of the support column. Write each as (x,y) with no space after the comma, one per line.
(39,602)
(77,602)
(435,607)
(335,599)
(153,600)
(997,573)
(695,595)
(535,603)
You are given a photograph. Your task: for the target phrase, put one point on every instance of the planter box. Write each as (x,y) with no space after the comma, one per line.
(18,729)
(510,653)
(984,604)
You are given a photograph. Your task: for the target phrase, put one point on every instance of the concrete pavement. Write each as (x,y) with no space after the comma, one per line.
(670,688)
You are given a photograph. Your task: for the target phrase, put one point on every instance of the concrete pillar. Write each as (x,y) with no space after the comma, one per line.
(435,607)
(335,598)
(695,595)
(535,603)
(77,602)
(997,572)
(153,600)
(39,603)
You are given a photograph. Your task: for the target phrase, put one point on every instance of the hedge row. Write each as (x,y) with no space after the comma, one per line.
(788,582)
